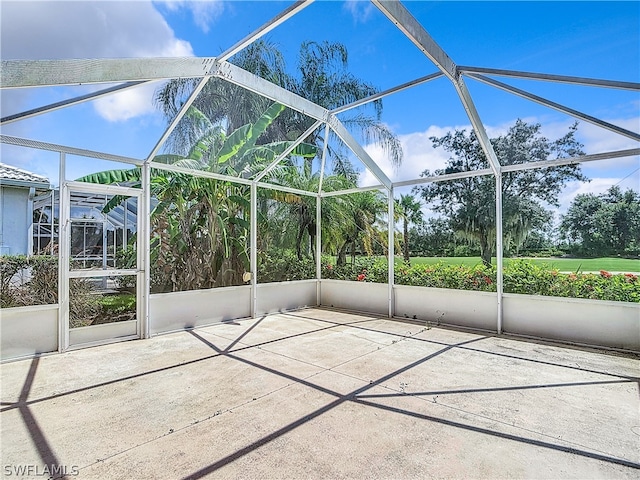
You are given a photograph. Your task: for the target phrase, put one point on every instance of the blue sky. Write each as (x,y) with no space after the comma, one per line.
(588,39)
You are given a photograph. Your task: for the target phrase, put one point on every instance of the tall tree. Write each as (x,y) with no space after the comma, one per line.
(409,211)
(433,237)
(469,203)
(200,226)
(604,224)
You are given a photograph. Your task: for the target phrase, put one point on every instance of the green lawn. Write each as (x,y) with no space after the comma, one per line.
(562,264)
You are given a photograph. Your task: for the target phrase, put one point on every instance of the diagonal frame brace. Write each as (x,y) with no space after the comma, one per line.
(69,102)
(414,31)
(556,106)
(289,149)
(342,132)
(236,75)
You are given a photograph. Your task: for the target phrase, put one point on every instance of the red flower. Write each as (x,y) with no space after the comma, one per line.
(605,274)
(361,277)
(329,267)
(488,280)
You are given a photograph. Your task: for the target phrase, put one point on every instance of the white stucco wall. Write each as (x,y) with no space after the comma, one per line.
(15,218)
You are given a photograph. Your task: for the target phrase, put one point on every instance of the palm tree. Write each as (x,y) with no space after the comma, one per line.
(222,102)
(295,219)
(321,76)
(324,79)
(362,211)
(409,210)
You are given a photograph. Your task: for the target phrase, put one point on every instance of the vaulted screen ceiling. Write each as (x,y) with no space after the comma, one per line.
(137,71)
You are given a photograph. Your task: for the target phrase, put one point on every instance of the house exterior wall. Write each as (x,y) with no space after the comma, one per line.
(15,220)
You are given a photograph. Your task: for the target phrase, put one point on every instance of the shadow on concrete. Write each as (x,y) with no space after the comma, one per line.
(45,451)
(358,396)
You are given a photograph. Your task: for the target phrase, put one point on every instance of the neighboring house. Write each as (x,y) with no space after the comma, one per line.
(17,189)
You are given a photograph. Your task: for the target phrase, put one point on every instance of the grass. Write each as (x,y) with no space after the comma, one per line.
(562,264)
(124,302)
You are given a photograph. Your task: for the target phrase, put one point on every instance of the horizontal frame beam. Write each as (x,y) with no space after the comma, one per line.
(573,160)
(102,273)
(23,142)
(348,191)
(524,166)
(280,188)
(198,173)
(444,178)
(49,73)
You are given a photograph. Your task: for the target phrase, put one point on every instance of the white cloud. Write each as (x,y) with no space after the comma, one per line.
(419,155)
(596,186)
(361,10)
(59,30)
(204,12)
(128,104)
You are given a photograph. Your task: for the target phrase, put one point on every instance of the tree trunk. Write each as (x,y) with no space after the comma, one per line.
(405,246)
(299,241)
(312,239)
(353,251)
(485,250)
(342,254)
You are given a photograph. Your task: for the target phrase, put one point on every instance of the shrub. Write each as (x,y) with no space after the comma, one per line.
(524,277)
(28,280)
(33,280)
(365,269)
(283,266)
(459,277)
(519,276)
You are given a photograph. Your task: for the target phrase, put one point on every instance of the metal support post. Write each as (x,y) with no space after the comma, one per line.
(499,247)
(63,258)
(144,256)
(254,248)
(53,214)
(318,250)
(32,194)
(391,251)
(124,225)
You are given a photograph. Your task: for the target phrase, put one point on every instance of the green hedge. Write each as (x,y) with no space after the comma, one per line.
(520,276)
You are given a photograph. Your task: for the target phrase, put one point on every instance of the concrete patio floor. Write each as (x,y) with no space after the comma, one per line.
(323,394)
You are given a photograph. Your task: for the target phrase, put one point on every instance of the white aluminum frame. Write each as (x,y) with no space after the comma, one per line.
(133,72)
(66,273)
